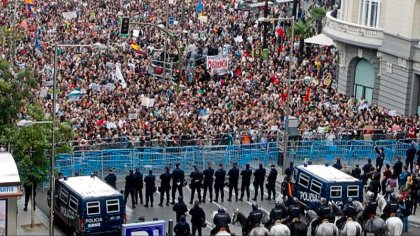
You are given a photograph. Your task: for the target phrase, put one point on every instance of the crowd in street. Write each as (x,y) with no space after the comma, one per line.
(248,99)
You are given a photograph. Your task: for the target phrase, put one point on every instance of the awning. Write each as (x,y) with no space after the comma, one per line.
(320,39)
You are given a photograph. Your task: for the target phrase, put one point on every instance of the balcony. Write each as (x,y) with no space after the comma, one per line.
(351,33)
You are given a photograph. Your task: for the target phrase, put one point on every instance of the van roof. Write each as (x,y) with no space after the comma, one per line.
(87,186)
(327,173)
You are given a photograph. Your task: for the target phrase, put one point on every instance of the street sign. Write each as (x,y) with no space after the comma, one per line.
(150,228)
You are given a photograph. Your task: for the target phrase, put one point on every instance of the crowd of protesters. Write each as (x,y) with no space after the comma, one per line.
(248,99)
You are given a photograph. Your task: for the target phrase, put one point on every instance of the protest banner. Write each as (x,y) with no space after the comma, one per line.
(69,15)
(217,62)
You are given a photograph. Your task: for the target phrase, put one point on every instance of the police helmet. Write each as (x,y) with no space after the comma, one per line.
(349,200)
(220,210)
(254,207)
(324,201)
(278,204)
(180,199)
(370,195)
(393,197)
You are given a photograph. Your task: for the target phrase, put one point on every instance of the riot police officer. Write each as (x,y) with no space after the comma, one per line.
(196,178)
(208,182)
(259,176)
(271,182)
(182,227)
(253,220)
(391,207)
(149,180)
(370,208)
(219,182)
(233,181)
(178,178)
(180,208)
(278,212)
(246,181)
(349,211)
(295,209)
(165,185)
(221,219)
(324,210)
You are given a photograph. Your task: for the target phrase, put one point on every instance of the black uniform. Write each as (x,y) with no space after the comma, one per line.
(254,218)
(221,219)
(178,178)
(111,180)
(165,185)
(138,187)
(271,183)
(28,194)
(380,158)
(246,181)
(356,172)
(233,182)
(130,183)
(182,228)
(370,210)
(198,218)
(259,176)
(219,183)
(150,188)
(295,209)
(397,169)
(180,208)
(289,171)
(410,153)
(208,183)
(196,178)
(390,208)
(375,187)
(278,212)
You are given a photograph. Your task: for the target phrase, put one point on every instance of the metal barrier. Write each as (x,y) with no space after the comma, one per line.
(156,158)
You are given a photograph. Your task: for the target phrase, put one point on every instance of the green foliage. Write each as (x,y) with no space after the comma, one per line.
(302,29)
(316,16)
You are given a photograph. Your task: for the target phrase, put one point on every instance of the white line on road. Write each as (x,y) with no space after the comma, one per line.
(261,208)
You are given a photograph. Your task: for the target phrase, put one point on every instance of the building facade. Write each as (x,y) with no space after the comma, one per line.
(379,49)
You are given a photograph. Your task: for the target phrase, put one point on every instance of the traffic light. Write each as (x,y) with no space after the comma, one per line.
(125,25)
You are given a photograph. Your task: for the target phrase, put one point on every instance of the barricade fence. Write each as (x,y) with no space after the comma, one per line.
(151,158)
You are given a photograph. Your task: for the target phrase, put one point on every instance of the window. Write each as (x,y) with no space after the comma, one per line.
(335,192)
(73,203)
(364,81)
(112,206)
(369,13)
(303,180)
(316,187)
(64,195)
(93,208)
(352,191)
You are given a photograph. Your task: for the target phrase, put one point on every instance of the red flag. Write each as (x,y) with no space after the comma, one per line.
(24,25)
(4,3)
(308,94)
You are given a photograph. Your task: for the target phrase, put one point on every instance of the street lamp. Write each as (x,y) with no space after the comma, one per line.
(286,131)
(52,177)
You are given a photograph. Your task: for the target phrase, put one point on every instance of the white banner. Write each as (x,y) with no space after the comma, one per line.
(217,62)
(69,15)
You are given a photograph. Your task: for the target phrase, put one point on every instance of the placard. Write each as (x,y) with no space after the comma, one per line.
(217,62)
(69,15)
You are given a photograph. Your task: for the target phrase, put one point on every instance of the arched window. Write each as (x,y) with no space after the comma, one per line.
(370,13)
(364,80)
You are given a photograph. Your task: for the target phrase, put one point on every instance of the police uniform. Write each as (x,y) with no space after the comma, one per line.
(254,218)
(178,177)
(219,183)
(129,189)
(271,183)
(180,208)
(138,186)
(278,212)
(198,217)
(390,209)
(259,176)
(182,228)
(221,219)
(196,178)
(208,183)
(165,185)
(149,180)
(246,181)
(233,182)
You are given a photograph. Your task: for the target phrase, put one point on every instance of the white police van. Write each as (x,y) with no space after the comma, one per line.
(88,205)
(313,182)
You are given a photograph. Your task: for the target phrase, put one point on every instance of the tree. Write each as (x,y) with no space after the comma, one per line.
(316,16)
(302,30)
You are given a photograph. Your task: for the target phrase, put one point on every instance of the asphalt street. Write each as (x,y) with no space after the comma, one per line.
(166,212)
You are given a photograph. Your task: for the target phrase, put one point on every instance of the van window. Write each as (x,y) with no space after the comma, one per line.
(64,195)
(335,192)
(73,203)
(304,180)
(353,191)
(93,208)
(112,206)
(316,187)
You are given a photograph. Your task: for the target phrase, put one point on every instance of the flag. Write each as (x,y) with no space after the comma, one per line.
(30,2)
(200,7)
(135,47)
(4,2)
(38,47)
(308,94)
(31,8)
(120,76)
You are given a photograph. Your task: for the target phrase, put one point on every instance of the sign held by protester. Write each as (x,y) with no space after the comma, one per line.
(217,62)
(69,15)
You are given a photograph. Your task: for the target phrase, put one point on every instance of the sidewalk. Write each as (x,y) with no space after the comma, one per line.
(414,219)
(41,221)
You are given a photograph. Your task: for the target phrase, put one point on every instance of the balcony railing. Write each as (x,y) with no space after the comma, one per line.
(351,33)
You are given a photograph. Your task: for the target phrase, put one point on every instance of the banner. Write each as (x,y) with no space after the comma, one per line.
(69,15)
(217,62)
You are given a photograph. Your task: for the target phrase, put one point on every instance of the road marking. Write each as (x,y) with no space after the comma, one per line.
(209,225)
(261,208)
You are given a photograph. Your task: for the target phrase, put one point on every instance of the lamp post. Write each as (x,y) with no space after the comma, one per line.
(286,131)
(52,177)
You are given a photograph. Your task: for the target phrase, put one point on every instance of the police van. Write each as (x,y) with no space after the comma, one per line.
(313,182)
(88,205)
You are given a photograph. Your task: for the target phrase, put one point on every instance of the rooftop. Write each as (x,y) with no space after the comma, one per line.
(328,173)
(88,186)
